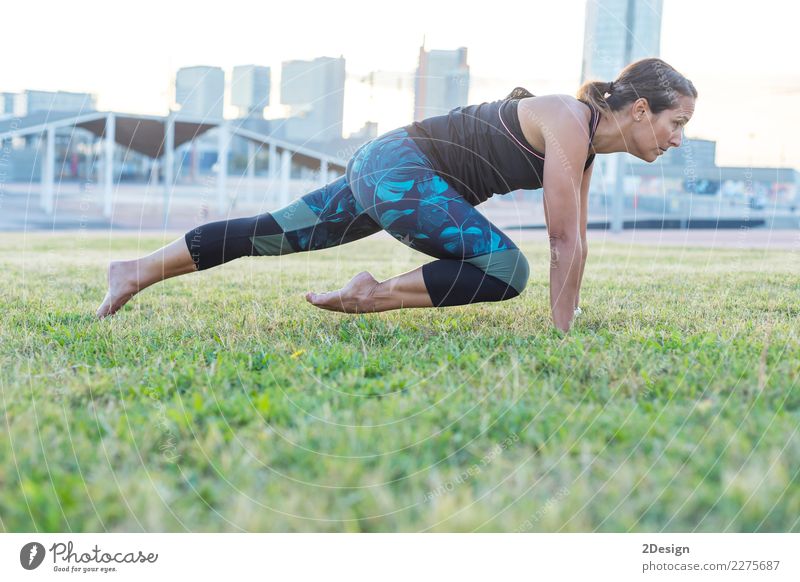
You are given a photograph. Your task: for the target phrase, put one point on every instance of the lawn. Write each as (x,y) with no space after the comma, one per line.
(222,401)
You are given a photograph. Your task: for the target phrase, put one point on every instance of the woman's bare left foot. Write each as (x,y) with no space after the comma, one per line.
(122,285)
(355,297)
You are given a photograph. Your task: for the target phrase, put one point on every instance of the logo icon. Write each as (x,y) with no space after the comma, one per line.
(31,555)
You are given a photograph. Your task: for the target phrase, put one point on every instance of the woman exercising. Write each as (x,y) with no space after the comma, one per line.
(421,183)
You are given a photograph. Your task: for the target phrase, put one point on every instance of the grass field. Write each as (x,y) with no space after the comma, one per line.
(222,401)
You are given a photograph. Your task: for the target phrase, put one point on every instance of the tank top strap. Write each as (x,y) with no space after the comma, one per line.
(594,121)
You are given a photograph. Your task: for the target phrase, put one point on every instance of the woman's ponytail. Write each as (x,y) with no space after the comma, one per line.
(519,93)
(595,92)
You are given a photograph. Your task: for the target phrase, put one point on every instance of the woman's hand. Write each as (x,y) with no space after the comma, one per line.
(564,274)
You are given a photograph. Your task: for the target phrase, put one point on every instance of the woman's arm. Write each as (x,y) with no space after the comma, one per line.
(566,146)
(587,178)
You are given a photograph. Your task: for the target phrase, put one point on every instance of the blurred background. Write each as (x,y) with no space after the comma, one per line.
(160,116)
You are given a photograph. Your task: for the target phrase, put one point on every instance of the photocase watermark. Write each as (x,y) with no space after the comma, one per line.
(533,519)
(472,470)
(31,555)
(401,259)
(5,156)
(67,559)
(749,191)
(87,198)
(600,58)
(554,144)
(664,83)
(199,218)
(689,169)
(59,390)
(349,151)
(169,444)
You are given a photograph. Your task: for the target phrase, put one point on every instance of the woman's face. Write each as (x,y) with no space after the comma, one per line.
(653,134)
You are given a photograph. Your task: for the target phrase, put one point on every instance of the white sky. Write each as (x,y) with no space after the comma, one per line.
(741,56)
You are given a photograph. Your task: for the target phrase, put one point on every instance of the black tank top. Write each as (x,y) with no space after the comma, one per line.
(480,149)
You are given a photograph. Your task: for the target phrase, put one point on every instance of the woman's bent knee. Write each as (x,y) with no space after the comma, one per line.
(451,282)
(509,266)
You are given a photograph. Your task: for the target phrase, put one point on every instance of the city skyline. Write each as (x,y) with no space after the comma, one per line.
(136,76)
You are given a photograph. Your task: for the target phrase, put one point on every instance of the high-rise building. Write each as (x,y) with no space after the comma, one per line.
(617,33)
(250,88)
(58,101)
(314,90)
(200,91)
(441,83)
(7,103)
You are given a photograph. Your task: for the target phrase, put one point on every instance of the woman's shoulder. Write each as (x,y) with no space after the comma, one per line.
(561,115)
(556,105)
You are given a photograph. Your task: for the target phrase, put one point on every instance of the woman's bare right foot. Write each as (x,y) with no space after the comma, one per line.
(352,298)
(122,285)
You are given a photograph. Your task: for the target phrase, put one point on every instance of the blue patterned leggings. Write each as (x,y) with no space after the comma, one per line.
(389,185)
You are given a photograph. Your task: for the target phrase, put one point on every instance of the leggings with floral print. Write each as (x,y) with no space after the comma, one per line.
(389,185)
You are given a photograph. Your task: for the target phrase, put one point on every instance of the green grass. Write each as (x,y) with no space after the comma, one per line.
(222,401)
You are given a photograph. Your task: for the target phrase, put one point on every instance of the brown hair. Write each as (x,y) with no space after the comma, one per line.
(519,93)
(650,78)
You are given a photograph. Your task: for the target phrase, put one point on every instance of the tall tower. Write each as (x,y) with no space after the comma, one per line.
(7,103)
(58,101)
(441,83)
(199,91)
(617,33)
(250,88)
(315,92)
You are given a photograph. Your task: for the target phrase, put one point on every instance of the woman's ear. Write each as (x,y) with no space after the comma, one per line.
(640,108)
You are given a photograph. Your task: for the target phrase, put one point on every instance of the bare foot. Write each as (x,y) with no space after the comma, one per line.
(352,298)
(122,285)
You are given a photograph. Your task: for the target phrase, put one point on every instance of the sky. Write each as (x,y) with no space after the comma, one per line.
(740,56)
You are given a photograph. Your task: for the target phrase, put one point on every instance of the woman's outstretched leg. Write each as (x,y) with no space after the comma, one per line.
(321,219)
(127,278)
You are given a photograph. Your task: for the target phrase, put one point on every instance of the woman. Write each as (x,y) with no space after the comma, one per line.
(421,184)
